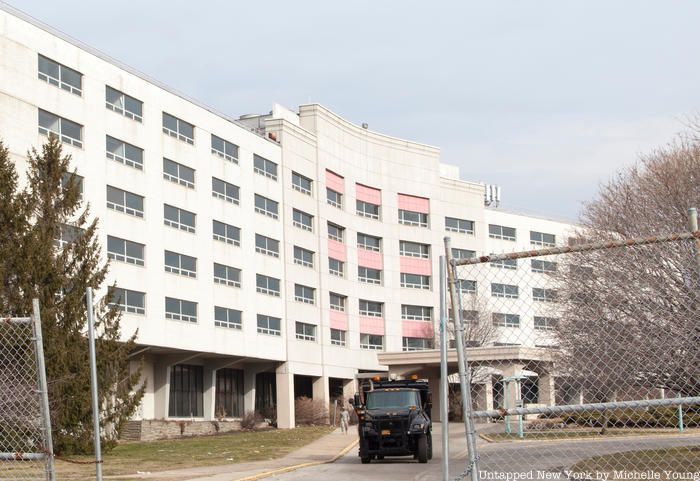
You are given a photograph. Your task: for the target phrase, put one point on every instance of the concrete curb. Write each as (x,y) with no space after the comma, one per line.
(287,469)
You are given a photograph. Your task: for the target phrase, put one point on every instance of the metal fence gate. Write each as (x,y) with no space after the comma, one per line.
(583,361)
(25,428)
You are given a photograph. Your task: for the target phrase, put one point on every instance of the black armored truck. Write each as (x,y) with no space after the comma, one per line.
(394,419)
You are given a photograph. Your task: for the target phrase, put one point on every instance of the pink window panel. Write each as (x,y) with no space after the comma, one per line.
(415,204)
(371,259)
(372,325)
(336,250)
(335,182)
(368,194)
(412,265)
(338,320)
(420,329)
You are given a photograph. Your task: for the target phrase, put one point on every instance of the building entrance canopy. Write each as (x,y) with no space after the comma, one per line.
(486,363)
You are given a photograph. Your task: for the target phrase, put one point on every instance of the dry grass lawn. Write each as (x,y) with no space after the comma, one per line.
(229,448)
(671,463)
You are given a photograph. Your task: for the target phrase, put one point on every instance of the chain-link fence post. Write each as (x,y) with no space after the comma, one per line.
(464,375)
(93,384)
(26,451)
(43,390)
(693,223)
(444,388)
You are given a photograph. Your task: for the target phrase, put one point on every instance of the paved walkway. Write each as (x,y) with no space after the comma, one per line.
(323,450)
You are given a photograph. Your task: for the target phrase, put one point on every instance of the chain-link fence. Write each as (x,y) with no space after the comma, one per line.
(25,440)
(584,360)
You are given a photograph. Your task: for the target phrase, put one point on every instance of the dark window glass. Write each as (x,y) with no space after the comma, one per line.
(186,391)
(229,393)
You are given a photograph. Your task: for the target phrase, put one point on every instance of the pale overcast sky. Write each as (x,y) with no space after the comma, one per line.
(545,98)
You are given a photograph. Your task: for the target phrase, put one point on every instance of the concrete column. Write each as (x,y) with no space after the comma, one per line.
(249,373)
(321,391)
(349,389)
(161,390)
(511,392)
(209,395)
(285,397)
(479,396)
(147,405)
(434,386)
(484,395)
(545,388)
(488,393)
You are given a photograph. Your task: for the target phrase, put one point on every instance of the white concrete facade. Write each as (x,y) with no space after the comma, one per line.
(395,175)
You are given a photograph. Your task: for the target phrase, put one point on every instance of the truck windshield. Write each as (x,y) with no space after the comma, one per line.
(392,399)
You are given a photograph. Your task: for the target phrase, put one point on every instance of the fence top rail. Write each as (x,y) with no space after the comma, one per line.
(578,248)
(15,320)
(570,408)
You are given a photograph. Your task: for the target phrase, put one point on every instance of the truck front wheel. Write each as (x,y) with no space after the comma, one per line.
(422,449)
(365,459)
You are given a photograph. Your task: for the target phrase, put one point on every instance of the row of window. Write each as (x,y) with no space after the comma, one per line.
(121,151)
(500,319)
(338,302)
(540,239)
(181,264)
(70,80)
(363,208)
(542,294)
(510,291)
(540,323)
(405,217)
(305,221)
(134,301)
(133,252)
(367,275)
(183,310)
(133,156)
(133,204)
(452,224)
(373,243)
(536,265)
(307,332)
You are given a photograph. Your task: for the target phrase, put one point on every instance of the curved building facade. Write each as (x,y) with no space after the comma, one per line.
(260,258)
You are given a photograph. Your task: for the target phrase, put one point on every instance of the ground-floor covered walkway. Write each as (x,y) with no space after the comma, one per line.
(198,386)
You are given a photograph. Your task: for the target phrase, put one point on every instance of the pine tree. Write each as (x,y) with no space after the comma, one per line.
(14,221)
(35,264)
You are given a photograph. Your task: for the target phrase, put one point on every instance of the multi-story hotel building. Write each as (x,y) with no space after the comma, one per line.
(260,258)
